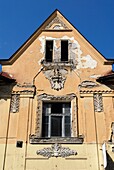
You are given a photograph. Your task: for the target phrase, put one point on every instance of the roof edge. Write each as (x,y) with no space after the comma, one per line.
(26,44)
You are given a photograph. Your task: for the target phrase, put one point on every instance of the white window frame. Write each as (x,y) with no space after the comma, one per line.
(63,114)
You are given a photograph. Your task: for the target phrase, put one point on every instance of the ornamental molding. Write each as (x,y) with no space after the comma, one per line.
(57,77)
(56,150)
(34,139)
(97,91)
(38,117)
(23,92)
(47,97)
(98,103)
(58,22)
(88,84)
(67,97)
(56,72)
(24,89)
(15,102)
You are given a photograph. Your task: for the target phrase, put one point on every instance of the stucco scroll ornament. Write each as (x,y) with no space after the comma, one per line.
(56,150)
(15,101)
(57,77)
(98,103)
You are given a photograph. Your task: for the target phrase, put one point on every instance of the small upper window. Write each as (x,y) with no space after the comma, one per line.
(49,50)
(64,50)
(49,55)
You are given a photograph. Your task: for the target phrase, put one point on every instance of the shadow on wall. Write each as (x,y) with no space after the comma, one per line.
(110,163)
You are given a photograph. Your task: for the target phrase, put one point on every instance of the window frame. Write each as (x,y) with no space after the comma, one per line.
(52,58)
(62,58)
(49,59)
(36,136)
(63,116)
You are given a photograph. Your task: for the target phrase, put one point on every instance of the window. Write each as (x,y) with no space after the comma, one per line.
(19,144)
(64,50)
(56,119)
(49,51)
(49,55)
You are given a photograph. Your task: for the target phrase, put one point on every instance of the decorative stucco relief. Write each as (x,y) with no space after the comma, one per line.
(67,97)
(56,150)
(24,89)
(56,76)
(15,102)
(38,117)
(88,84)
(56,71)
(59,23)
(98,103)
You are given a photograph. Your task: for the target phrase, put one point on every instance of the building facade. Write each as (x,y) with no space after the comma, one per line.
(55,112)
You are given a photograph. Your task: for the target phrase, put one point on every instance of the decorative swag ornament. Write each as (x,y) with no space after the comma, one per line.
(56,150)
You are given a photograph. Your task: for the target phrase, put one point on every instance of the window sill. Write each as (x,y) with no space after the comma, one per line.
(37,140)
(57,62)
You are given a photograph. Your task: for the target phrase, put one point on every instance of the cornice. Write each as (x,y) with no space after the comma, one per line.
(96,91)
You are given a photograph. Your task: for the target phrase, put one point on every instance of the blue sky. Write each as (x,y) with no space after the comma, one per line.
(93,18)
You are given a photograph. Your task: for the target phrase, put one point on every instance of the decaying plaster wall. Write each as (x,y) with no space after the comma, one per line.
(75,52)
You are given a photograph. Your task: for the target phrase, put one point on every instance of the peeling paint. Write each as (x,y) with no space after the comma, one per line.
(42,40)
(94,76)
(88,62)
(75,52)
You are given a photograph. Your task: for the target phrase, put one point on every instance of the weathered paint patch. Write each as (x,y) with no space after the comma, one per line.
(75,52)
(88,62)
(94,76)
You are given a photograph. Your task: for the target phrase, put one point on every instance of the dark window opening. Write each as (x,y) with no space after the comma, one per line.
(49,51)
(19,144)
(64,50)
(56,126)
(56,119)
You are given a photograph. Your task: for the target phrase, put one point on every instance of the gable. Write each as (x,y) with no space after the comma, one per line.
(85,62)
(55,22)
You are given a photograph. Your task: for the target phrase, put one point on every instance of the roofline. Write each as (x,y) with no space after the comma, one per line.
(83,36)
(27,43)
(7,61)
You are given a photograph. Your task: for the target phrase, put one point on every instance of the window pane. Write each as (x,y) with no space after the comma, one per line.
(67,108)
(46,108)
(56,108)
(56,119)
(64,50)
(67,119)
(67,126)
(67,130)
(49,51)
(56,126)
(45,126)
